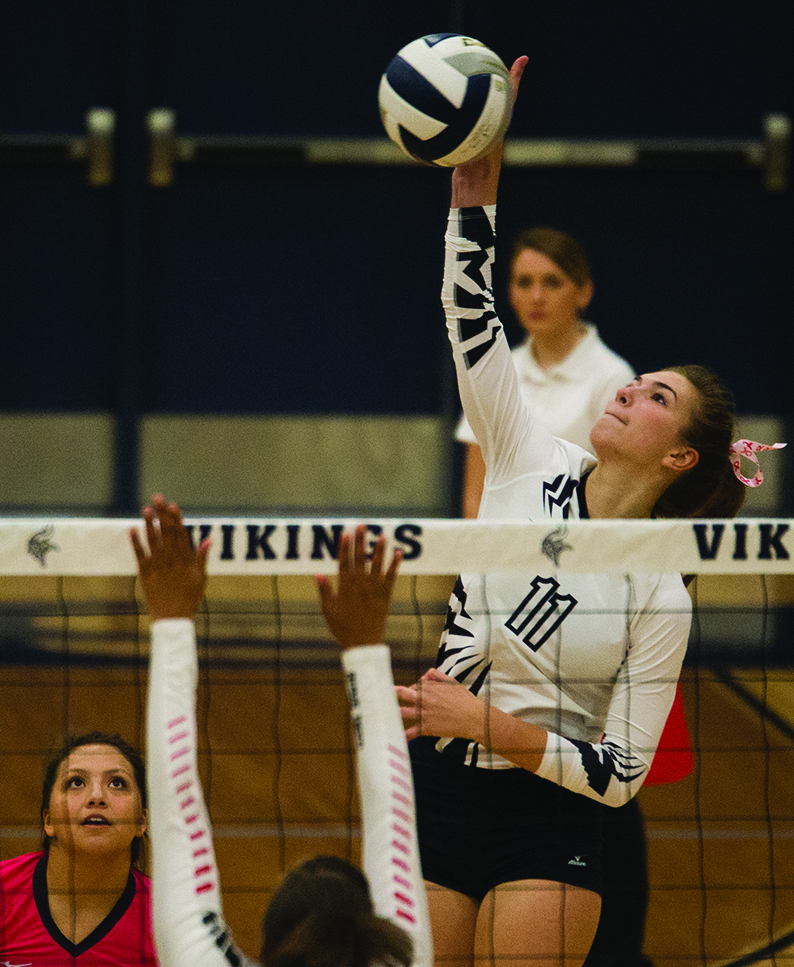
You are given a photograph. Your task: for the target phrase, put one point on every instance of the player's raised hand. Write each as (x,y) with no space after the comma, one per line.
(476,182)
(356,611)
(172,574)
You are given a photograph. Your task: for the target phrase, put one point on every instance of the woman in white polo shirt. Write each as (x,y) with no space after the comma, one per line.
(563,365)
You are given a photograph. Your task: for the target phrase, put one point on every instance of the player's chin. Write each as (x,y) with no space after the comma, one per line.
(603,433)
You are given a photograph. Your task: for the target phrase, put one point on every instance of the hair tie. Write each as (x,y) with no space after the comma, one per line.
(748,449)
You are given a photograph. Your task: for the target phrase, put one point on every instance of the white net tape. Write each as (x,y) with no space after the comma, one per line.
(253,546)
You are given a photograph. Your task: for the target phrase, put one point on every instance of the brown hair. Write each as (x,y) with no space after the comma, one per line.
(130,753)
(322,916)
(563,249)
(710,488)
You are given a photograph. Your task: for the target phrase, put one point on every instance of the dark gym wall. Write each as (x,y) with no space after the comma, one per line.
(315,289)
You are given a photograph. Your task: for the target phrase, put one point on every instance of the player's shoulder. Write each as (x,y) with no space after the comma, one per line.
(19,866)
(24,859)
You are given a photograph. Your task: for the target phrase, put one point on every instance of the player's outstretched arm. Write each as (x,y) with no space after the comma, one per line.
(356,611)
(186,898)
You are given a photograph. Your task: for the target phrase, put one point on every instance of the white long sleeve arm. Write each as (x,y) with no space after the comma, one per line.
(390,852)
(189,929)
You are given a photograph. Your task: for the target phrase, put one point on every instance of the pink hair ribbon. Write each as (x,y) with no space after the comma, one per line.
(748,449)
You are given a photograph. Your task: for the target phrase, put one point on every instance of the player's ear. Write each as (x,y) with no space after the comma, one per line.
(682,458)
(584,296)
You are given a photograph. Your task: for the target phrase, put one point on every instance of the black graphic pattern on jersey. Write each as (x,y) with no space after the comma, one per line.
(461,661)
(223,942)
(469,328)
(455,609)
(558,493)
(472,356)
(616,762)
(473,262)
(476,227)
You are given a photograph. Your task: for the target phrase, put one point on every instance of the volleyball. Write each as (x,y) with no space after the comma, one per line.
(445,99)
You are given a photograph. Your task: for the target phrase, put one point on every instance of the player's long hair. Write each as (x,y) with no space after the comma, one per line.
(322,916)
(130,753)
(710,488)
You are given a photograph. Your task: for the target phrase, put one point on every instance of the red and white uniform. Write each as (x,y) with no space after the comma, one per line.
(188,913)
(30,938)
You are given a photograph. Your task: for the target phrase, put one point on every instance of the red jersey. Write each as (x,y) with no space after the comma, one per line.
(30,938)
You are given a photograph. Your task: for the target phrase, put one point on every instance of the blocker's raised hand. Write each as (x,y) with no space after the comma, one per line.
(172,573)
(356,611)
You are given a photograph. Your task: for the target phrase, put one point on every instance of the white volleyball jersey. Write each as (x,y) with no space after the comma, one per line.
(593,659)
(187,909)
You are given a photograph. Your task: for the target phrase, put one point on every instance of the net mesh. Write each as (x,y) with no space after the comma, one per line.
(275,744)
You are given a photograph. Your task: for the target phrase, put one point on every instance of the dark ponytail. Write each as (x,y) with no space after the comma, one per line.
(710,488)
(322,916)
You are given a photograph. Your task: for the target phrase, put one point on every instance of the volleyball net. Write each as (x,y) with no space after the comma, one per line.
(275,741)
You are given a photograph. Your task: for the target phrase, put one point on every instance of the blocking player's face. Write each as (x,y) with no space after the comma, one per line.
(543,296)
(95,804)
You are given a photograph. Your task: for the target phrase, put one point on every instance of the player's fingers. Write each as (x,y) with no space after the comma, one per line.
(394,567)
(343,555)
(173,533)
(202,553)
(152,536)
(182,543)
(405,693)
(378,554)
(410,715)
(434,675)
(516,73)
(158,505)
(137,546)
(360,550)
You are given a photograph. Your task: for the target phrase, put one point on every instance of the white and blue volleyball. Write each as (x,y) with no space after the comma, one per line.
(445,99)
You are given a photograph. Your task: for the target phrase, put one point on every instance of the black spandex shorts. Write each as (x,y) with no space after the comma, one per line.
(482,827)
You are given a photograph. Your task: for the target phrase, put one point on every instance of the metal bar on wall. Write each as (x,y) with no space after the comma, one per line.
(770,155)
(95,149)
